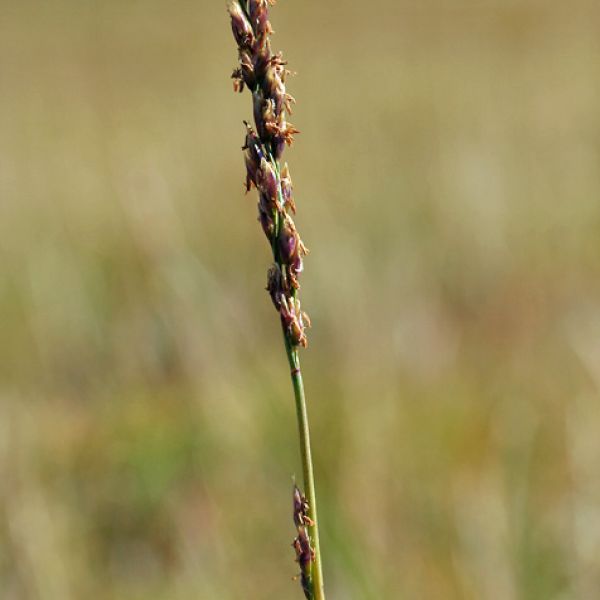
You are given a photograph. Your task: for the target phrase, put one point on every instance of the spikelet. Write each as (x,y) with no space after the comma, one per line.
(305,554)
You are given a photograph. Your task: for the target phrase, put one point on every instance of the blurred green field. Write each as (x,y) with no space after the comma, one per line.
(448,183)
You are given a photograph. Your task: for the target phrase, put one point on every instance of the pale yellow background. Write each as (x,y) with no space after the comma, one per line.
(448,182)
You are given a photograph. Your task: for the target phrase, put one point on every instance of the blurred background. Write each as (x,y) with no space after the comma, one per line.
(447,178)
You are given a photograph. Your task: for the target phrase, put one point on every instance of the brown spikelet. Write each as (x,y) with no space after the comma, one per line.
(263,73)
(305,554)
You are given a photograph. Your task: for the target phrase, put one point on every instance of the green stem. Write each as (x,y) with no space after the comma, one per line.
(318,592)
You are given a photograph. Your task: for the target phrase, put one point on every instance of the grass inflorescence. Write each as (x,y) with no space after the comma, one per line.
(264,74)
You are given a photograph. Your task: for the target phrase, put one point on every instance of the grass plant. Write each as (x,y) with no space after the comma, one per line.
(264,73)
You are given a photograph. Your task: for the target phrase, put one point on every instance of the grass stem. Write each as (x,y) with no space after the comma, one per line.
(307,465)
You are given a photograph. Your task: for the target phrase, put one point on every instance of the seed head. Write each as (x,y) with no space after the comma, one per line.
(264,74)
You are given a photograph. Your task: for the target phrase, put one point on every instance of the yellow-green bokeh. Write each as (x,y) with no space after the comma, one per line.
(447,180)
